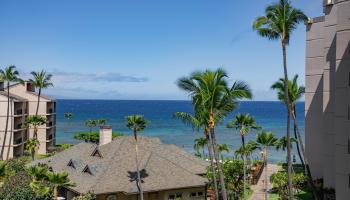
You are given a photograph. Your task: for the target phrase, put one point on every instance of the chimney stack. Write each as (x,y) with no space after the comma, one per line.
(29,87)
(105,134)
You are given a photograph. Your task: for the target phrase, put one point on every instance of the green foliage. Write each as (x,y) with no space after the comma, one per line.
(279,181)
(95,122)
(248,150)
(136,123)
(244,123)
(33,121)
(87,196)
(41,79)
(68,115)
(17,187)
(64,146)
(17,164)
(295,91)
(31,146)
(93,136)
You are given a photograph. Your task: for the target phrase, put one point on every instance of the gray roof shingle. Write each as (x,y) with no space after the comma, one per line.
(166,166)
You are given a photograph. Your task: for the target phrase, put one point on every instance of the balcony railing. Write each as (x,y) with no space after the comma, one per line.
(19,112)
(49,124)
(49,137)
(18,141)
(19,126)
(50,110)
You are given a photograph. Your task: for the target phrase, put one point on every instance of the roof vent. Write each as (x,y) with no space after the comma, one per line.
(87,170)
(96,153)
(71,164)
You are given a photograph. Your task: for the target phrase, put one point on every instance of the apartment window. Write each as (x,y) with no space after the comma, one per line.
(196,194)
(176,196)
(348,146)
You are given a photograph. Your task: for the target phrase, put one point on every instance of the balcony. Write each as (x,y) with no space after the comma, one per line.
(18,141)
(19,112)
(18,126)
(49,137)
(49,124)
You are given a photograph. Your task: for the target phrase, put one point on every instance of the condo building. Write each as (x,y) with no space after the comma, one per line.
(23,103)
(327,97)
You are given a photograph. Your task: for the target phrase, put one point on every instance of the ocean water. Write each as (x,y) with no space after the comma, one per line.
(270,115)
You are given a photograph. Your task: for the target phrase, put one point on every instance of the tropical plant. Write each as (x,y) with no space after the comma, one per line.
(137,123)
(93,137)
(2,172)
(39,175)
(59,179)
(9,75)
(247,150)
(211,94)
(279,181)
(282,143)
(17,187)
(279,22)
(200,121)
(87,196)
(34,121)
(40,80)
(295,93)
(101,122)
(244,123)
(223,148)
(90,123)
(265,139)
(68,115)
(199,144)
(31,146)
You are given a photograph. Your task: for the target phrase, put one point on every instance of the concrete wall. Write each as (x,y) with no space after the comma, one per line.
(328,87)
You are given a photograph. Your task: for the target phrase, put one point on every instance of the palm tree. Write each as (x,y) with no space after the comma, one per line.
(282,143)
(91,123)
(101,122)
(9,75)
(34,121)
(59,179)
(3,171)
(137,123)
(244,123)
(198,121)
(41,80)
(32,146)
(279,22)
(200,144)
(210,92)
(68,115)
(247,151)
(222,148)
(266,139)
(295,92)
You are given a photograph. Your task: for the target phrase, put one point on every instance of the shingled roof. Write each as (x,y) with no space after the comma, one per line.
(111,167)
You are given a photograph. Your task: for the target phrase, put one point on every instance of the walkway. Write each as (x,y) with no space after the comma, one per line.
(258,189)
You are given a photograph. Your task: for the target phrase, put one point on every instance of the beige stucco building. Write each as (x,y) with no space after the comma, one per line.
(327,97)
(23,103)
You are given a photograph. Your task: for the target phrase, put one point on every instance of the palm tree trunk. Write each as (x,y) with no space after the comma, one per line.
(289,157)
(298,140)
(7,122)
(55,193)
(11,135)
(37,106)
(265,163)
(218,163)
(137,167)
(244,168)
(211,157)
(315,192)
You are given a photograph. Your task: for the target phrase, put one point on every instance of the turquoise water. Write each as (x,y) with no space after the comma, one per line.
(270,115)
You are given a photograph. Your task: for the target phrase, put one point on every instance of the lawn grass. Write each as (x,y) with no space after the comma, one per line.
(302,195)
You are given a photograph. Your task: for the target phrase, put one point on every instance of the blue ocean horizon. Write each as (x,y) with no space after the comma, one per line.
(271,115)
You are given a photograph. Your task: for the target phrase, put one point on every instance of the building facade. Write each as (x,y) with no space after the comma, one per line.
(327,97)
(23,103)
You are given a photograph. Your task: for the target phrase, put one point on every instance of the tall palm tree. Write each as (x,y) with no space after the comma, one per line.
(295,92)
(8,75)
(222,148)
(244,123)
(200,121)
(210,92)
(266,139)
(137,123)
(68,115)
(279,22)
(34,121)
(40,80)
(282,143)
(91,123)
(31,146)
(59,179)
(101,122)
(200,143)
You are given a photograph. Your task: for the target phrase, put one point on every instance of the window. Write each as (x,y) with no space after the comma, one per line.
(177,196)
(196,194)
(349,146)
(96,153)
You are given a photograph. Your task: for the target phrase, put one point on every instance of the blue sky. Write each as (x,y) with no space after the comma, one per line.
(138,49)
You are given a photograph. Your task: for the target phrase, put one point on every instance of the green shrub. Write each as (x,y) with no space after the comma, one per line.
(93,136)
(87,196)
